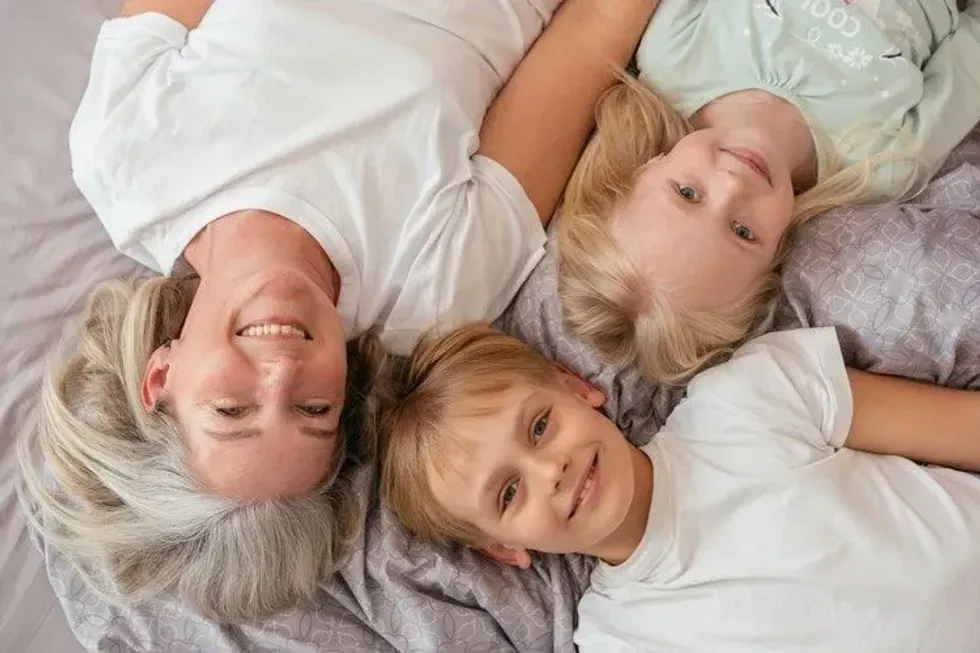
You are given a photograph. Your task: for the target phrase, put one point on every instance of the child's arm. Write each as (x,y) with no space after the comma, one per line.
(186,12)
(919,421)
(537,126)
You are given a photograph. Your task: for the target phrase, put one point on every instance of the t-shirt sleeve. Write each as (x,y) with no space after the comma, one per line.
(663,55)
(491,245)
(500,30)
(783,398)
(490,240)
(950,105)
(131,67)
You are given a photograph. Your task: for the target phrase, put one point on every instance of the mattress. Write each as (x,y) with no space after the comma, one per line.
(52,250)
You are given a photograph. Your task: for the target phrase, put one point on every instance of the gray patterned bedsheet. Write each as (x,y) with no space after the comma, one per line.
(394,594)
(902,283)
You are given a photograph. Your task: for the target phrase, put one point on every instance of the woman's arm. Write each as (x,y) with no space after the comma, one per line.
(919,421)
(186,12)
(537,126)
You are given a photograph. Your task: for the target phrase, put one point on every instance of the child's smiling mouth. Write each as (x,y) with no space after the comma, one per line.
(752,160)
(587,486)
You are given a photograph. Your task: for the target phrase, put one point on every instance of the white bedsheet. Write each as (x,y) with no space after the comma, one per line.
(52,250)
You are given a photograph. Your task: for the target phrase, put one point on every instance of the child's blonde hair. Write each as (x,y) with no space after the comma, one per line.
(606,299)
(412,401)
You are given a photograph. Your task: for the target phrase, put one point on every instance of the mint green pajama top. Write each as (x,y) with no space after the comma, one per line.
(859,70)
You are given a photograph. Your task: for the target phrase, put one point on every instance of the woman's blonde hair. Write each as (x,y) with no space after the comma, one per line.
(606,299)
(122,504)
(412,401)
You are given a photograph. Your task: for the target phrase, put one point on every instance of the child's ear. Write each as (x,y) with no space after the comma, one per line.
(507,555)
(591,394)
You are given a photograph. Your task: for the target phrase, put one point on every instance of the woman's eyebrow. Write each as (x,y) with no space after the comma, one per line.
(321,434)
(243,434)
(225,436)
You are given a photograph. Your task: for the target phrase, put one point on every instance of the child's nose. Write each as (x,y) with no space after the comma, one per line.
(552,471)
(727,188)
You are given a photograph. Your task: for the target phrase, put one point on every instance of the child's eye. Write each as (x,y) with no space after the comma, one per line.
(689,193)
(742,232)
(540,427)
(509,494)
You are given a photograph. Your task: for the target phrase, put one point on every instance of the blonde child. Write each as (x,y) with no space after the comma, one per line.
(766,113)
(754,522)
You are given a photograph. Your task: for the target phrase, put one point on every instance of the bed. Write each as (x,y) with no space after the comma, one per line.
(50,250)
(902,283)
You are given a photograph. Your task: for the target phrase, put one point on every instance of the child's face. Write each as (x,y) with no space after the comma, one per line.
(707,217)
(540,470)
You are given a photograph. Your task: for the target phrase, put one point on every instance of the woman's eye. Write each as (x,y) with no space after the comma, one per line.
(230,411)
(314,410)
(509,494)
(743,232)
(689,193)
(540,427)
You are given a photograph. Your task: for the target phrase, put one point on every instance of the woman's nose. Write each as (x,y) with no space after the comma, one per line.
(277,372)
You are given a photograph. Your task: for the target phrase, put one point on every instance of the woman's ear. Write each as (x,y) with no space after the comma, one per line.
(155,378)
(585,390)
(507,555)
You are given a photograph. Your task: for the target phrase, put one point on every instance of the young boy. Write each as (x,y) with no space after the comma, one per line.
(754,521)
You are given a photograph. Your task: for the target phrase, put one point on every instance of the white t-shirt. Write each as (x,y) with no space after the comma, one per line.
(766,536)
(358,120)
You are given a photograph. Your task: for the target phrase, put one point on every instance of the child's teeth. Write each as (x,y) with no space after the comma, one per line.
(586,487)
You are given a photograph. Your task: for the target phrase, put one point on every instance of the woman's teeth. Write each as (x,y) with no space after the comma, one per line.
(273,330)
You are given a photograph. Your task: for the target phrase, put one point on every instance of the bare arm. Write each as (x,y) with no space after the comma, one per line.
(923,422)
(186,12)
(537,126)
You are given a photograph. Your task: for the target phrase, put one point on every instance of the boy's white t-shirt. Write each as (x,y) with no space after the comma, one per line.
(358,120)
(766,536)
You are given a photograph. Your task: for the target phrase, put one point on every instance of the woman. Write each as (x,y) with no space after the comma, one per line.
(318,165)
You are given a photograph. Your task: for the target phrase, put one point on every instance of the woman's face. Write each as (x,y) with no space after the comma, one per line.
(257,382)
